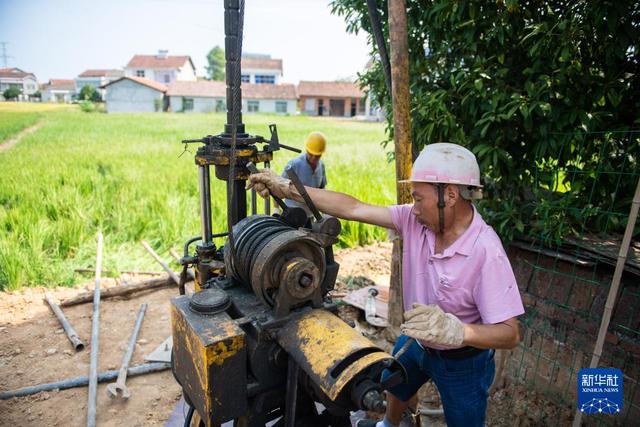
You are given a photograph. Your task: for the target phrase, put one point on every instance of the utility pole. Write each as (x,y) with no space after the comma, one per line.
(399,59)
(4,55)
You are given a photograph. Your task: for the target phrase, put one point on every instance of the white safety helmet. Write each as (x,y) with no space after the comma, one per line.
(447,163)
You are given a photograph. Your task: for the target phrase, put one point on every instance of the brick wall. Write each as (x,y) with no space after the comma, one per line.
(564,303)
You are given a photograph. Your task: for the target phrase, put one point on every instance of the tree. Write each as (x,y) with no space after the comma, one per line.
(11,93)
(89,93)
(216,61)
(520,83)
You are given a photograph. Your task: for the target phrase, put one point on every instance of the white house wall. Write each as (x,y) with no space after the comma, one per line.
(200,104)
(186,73)
(126,96)
(269,105)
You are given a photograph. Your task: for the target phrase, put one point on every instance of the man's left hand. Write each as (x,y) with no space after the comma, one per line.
(429,323)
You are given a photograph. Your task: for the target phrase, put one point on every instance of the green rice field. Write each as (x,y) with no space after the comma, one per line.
(127,175)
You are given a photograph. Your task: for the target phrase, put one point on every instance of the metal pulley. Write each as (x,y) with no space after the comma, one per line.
(283,266)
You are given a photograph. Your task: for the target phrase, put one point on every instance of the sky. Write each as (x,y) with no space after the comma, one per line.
(62,38)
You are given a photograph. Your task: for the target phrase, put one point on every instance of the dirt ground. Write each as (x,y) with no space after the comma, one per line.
(35,350)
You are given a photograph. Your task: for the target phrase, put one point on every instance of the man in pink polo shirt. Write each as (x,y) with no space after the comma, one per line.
(460,296)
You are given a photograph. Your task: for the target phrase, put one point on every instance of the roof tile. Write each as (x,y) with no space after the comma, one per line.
(330,89)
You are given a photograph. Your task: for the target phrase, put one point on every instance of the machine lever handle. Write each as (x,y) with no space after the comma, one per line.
(293,176)
(253,169)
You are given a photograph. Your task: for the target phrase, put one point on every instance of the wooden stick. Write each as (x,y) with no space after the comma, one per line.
(120,291)
(177,257)
(145,273)
(164,265)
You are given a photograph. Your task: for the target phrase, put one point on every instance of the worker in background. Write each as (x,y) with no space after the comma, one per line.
(461,299)
(309,166)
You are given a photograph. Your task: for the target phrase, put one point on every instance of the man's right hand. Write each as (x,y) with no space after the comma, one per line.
(268,182)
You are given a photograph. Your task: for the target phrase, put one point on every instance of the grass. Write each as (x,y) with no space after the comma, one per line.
(124,174)
(13,122)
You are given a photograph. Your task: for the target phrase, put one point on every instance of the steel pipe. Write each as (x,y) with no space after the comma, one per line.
(77,343)
(205,203)
(95,333)
(133,371)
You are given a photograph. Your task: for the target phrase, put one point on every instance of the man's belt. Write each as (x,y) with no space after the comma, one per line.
(456,353)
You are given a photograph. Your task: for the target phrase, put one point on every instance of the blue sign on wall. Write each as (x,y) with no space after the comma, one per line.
(600,390)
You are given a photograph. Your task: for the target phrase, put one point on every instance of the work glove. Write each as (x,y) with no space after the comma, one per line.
(268,182)
(429,323)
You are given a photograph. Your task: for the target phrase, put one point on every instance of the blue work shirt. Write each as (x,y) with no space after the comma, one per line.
(309,177)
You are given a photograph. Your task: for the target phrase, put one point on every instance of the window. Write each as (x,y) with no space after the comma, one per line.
(281,106)
(245,78)
(265,79)
(187,104)
(139,73)
(253,106)
(167,78)
(220,106)
(309,104)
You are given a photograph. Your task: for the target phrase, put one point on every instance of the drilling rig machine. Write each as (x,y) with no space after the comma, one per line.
(259,342)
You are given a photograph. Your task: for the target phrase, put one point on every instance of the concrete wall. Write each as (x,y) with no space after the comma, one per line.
(127,96)
(54,95)
(207,105)
(186,73)
(200,104)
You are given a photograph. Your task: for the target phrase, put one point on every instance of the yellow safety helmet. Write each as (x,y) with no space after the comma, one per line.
(315,143)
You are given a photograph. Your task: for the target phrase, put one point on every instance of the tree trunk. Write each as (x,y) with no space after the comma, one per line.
(399,48)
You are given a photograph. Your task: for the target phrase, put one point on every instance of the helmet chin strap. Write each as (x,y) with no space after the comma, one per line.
(440,188)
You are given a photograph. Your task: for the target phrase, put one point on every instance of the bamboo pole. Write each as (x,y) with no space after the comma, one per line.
(399,49)
(613,290)
(95,332)
(160,261)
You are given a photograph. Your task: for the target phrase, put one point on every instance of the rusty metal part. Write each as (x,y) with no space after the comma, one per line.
(119,386)
(209,361)
(77,343)
(278,277)
(334,355)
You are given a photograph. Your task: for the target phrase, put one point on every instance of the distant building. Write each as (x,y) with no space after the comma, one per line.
(15,77)
(260,69)
(341,99)
(58,90)
(161,68)
(208,96)
(134,95)
(96,79)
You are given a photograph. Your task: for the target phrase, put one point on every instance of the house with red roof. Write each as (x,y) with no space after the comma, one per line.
(341,99)
(131,94)
(162,67)
(58,90)
(15,77)
(209,96)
